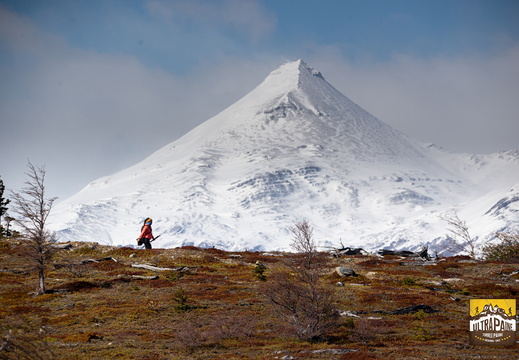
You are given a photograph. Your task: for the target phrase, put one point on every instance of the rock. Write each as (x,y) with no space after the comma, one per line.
(66,246)
(271,254)
(344,271)
(452,280)
(372,275)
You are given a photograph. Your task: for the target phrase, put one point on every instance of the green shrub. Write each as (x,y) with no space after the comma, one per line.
(182,301)
(409,282)
(507,250)
(259,271)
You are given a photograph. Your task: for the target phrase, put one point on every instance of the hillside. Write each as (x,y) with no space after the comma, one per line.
(210,305)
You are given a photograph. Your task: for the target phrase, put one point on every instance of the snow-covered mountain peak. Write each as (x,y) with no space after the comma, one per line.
(294,148)
(292,73)
(294,106)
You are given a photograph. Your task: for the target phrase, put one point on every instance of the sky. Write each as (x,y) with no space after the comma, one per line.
(91,87)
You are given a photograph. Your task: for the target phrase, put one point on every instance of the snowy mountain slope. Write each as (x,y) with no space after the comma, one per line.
(294,148)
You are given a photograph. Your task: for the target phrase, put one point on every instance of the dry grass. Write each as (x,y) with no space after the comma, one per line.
(214,308)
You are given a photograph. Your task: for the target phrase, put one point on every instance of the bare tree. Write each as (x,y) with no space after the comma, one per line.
(460,239)
(296,295)
(34,208)
(303,243)
(309,264)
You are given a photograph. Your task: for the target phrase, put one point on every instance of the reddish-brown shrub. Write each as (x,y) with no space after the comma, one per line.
(493,290)
(367,330)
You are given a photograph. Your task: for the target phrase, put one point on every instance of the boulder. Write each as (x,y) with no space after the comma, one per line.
(344,271)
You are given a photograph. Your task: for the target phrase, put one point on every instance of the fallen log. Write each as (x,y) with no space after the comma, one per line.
(141,277)
(515,272)
(405,253)
(86,261)
(155,268)
(348,251)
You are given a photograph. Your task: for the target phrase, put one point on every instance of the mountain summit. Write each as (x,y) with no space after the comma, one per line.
(295,148)
(295,104)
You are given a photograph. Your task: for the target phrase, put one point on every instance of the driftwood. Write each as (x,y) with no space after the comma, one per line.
(348,251)
(421,254)
(83,262)
(141,277)
(86,261)
(155,268)
(332,351)
(515,272)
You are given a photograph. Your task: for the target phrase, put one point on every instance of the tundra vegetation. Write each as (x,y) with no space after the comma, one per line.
(194,303)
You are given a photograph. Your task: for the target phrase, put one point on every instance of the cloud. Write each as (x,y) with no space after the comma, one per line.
(87,114)
(463,103)
(246,17)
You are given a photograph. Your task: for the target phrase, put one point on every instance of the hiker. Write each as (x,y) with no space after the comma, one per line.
(146,234)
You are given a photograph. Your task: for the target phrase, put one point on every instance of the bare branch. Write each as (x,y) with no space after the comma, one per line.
(33,209)
(460,239)
(297,296)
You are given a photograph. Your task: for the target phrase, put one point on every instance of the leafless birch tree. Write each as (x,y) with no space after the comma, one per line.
(33,209)
(460,238)
(296,295)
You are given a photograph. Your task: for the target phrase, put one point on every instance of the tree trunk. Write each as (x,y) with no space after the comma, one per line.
(41,275)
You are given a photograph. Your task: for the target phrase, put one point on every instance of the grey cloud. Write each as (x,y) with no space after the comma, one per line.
(86,114)
(465,104)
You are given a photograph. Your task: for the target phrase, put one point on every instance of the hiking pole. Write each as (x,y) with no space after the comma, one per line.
(155,238)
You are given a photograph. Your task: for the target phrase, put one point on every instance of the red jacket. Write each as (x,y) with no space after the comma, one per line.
(146,232)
